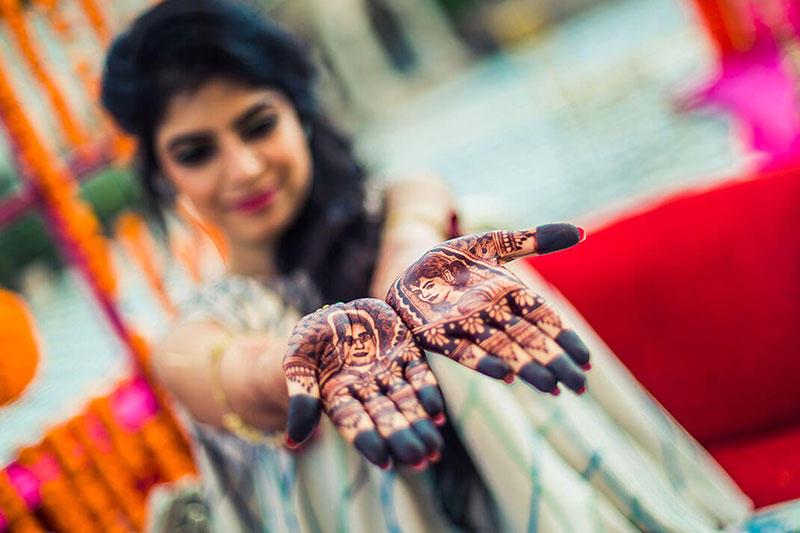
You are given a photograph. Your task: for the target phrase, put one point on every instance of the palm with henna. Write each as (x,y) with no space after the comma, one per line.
(460,301)
(359,363)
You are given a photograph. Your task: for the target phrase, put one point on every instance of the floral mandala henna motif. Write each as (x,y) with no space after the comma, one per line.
(360,364)
(460,301)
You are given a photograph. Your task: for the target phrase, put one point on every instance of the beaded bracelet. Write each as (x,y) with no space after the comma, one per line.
(230,420)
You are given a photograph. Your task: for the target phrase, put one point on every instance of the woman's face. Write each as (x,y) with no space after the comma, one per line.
(240,155)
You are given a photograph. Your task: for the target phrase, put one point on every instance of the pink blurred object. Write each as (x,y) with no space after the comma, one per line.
(134,404)
(758,91)
(757,84)
(26,483)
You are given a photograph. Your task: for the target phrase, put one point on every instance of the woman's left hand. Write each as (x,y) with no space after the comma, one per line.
(460,301)
(359,363)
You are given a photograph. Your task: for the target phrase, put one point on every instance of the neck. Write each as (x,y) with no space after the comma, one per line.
(253,259)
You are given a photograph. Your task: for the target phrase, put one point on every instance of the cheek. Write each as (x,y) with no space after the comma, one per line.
(200,186)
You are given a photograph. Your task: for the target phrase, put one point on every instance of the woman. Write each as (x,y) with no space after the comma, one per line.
(221,102)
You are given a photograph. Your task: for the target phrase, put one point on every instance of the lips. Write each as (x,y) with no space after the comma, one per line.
(256,202)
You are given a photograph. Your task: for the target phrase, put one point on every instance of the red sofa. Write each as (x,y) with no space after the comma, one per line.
(700,297)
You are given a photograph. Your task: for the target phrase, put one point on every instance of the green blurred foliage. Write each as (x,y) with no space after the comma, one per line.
(7,182)
(454,6)
(109,192)
(24,242)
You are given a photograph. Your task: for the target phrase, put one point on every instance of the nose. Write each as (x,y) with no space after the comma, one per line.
(242,162)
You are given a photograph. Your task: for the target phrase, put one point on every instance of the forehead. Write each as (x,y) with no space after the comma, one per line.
(215,105)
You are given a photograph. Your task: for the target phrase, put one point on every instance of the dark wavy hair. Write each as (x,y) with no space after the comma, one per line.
(176,47)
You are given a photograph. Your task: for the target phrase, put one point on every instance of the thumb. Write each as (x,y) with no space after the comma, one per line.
(300,370)
(541,240)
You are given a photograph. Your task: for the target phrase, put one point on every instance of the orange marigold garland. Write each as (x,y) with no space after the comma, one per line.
(11,11)
(131,230)
(94,436)
(95,492)
(128,446)
(135,408)
(97,21)
(59,505)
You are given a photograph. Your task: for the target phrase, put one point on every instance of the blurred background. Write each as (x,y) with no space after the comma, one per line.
(533,110)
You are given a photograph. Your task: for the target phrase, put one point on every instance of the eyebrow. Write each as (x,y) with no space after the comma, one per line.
(251,112)
(200,136)
(239,122)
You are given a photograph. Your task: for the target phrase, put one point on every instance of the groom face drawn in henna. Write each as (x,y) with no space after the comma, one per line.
(357,337)
(460,301)
(373,382)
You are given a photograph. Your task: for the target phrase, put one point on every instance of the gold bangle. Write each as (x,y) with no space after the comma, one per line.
(230,420)
(397,216)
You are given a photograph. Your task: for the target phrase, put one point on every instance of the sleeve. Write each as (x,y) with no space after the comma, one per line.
(241,303)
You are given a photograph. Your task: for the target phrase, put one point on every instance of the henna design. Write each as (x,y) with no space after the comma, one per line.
(360,364)
(458,300)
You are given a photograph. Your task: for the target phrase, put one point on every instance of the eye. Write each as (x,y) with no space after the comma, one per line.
(259,127)
(194,155)
(429,285)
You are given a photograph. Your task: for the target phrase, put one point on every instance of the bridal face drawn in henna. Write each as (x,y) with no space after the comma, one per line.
(359,363)
(459,301)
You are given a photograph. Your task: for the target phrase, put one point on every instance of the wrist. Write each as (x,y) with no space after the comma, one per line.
(235,388)
(268,387)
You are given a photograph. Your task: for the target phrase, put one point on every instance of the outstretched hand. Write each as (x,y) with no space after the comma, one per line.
(460,301)
(359,363)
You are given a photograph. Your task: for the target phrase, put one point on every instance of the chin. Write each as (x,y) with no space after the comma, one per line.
(261,235)
(268,227)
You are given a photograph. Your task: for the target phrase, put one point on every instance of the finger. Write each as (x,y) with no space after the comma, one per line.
(419,375)
(574,346)
(521,361)
(304,403)
(393,427)
(542,240)
(546,352)
(568,372)
(304,412)
(534,309)
(356,426)
(473,356)
(539,376)
(405,398)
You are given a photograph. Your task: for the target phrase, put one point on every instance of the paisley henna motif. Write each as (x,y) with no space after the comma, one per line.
(359,363)
(460,301)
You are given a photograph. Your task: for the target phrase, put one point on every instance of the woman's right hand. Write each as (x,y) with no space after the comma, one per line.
(359,363)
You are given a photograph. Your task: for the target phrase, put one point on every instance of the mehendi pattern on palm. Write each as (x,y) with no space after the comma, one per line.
(461,302)
(360,364)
